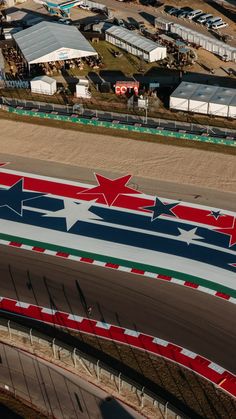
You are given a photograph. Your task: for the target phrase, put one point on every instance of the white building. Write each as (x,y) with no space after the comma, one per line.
(135,44)
(82,88)
(49,41)
(43,85)
(204,99)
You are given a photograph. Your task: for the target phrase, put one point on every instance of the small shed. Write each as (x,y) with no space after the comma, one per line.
(43,85)
(82,88)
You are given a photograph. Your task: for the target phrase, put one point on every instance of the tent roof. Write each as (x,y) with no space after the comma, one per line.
(132,38)
(47,37)
(45,79)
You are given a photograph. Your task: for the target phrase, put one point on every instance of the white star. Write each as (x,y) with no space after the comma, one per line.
(188,236)
(73,212)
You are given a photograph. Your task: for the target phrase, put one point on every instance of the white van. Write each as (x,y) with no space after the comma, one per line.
(219,25)
(194,14)
(204,18)
(210,22)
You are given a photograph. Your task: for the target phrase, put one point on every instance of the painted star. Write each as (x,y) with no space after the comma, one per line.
(14,196)
(215,214)
(73,212)
(110,189)
(188,236)
(161,209)
(230,231)
(233,264)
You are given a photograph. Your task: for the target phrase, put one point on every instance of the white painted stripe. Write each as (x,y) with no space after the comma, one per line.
(26,247)
(216,368)
(150,274)
(99,263)
(177,281)
(22,305)
(50,252)
(48,311)
(4,242)
(124,269)
(161,342)
(103,325)
(133,333)
(232,300)
(75,318)
(188,353)
(73,257)
(207,290)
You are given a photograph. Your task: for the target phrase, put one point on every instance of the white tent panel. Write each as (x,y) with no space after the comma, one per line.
(198,106)
(62,54)
(178,103)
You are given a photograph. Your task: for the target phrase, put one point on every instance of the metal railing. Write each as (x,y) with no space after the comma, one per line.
(86,366)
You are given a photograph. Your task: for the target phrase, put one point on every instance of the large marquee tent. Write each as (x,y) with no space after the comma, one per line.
(49,41)
(205,99)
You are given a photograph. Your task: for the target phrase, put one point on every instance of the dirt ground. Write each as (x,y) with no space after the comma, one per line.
(151,160)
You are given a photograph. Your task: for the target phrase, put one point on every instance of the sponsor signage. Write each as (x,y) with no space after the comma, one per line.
(122,87)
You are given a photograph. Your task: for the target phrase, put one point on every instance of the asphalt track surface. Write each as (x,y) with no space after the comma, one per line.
(192,319)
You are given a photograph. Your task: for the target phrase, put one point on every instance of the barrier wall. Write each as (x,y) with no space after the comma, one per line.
(125,127)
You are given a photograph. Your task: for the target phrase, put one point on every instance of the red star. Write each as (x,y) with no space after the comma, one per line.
(111,188)
(231,231)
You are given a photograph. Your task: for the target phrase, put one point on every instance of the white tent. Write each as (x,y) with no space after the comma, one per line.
(135,44)
(49,41)
(199,101)
(232,108)
(219,103)
(43,85)
(180,97)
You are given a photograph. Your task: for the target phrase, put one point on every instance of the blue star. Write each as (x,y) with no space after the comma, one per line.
(14,196)
(161,209)
(215,214)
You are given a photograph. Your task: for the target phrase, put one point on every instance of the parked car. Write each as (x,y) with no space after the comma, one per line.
(65,21)
(194,14)
(84,6)
(203,18)
(219,25)
(210,22)
(173,11)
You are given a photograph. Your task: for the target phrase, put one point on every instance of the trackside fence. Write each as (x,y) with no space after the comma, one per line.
(76,119)
(93,370)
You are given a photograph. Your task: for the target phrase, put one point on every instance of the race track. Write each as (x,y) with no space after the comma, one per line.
(191,319)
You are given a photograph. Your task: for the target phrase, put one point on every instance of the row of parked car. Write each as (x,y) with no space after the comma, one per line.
(198,16)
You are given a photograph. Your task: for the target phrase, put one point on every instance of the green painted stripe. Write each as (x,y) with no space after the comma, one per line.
(129,264)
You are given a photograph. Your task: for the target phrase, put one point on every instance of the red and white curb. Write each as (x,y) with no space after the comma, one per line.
(121,268)
(186,358)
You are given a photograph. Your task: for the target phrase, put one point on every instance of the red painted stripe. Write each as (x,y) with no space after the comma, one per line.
(191,284)
(38,249)
(111,265)
(222,295)
(165,277)
(45,185)
(62,254)
(87,260)
(137,271)
(15,244)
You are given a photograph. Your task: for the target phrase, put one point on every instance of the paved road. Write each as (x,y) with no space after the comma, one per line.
(192,319)
(57,391)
